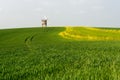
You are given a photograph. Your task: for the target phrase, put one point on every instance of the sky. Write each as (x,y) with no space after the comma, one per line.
(28,13)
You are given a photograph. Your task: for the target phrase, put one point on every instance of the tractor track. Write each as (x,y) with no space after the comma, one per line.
(28,42)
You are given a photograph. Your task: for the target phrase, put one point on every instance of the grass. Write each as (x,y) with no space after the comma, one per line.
(42,54)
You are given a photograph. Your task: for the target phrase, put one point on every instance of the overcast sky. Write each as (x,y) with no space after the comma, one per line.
(28,13)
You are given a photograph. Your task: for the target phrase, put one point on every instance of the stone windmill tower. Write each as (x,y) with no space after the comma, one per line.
(44,21)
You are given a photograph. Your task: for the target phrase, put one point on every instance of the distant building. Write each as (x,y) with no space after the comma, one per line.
(44,21)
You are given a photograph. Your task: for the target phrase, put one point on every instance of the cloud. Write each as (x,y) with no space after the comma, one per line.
(82,12)
(39,9)
(98,7)
(46,3)
(28,0)
(76,2)
(85,2)
(1,9)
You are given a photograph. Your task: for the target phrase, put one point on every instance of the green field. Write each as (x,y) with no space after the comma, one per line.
(60,53)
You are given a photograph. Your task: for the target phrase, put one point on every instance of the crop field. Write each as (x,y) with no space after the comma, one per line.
(60,53)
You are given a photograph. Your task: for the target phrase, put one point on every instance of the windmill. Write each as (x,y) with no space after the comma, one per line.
(44,21)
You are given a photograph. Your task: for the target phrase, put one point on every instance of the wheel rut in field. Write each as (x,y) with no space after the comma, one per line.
(28,42)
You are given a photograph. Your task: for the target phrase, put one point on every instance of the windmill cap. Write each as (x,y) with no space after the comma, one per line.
(44,18)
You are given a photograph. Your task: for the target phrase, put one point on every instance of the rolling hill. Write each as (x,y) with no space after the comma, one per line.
(60,53)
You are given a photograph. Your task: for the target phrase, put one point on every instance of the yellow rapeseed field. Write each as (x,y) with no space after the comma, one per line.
(89,33)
